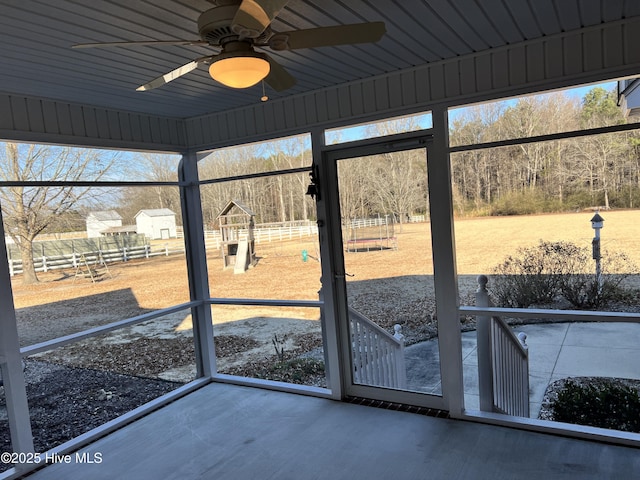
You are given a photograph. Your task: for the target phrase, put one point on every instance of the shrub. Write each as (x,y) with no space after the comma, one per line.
(604,402)
(538,275)
(582,289)
(534,275)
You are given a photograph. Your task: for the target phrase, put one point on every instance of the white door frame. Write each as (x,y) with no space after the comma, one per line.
(444,266)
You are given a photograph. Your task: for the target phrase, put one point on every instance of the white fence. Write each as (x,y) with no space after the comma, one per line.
(378,356)
(46,263)
(367,222)
(265,233)
(382,220)
(262,234)
(503,362)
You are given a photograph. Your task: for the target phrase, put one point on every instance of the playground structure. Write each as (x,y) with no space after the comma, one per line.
(236,222)
(363,235)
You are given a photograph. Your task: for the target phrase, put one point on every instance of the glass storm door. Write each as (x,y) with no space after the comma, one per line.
(384,271)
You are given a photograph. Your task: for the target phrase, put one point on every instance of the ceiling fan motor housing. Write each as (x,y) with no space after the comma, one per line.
(214,25)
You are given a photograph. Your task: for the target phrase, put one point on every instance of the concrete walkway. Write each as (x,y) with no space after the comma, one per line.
(556,351)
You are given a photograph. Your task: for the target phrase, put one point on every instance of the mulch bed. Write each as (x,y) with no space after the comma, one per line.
(65,402)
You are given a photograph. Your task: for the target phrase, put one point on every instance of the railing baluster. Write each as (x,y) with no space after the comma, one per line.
(510,369)
(378,356)
(357,361)
(370,358)
(504,356)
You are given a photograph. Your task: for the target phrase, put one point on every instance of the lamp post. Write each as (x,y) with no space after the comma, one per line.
(597,222)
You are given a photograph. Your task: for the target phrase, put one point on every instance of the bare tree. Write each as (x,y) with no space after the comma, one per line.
(29,210)
(399,183)
(602,154)
(354,182)
(152,167)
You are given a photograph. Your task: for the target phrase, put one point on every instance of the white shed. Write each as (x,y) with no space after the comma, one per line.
(98,222)
(157,223)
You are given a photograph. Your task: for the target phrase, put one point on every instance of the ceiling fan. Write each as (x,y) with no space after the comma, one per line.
(237,27)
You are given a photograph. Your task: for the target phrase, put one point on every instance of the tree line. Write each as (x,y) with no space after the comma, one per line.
(598,170)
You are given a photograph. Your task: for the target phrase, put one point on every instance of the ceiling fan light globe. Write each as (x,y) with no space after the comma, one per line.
(240,71)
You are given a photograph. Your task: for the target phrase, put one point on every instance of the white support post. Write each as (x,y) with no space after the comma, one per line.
(44,263)
(336,363)
(196,254)
(11,361)
(484,350)
(444,263)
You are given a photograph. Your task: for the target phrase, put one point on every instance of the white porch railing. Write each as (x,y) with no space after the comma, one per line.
(503,362)
(378,356)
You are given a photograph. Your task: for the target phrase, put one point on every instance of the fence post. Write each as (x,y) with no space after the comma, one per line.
(166,249)
(124,254)
(11,272)
(146,250)
(44,263)
(74,260)
(484,349)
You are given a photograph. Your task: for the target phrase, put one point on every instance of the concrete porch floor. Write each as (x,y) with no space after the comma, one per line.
(557,350)
(232,432)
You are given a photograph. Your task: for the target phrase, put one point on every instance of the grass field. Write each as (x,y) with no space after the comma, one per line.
(482,242)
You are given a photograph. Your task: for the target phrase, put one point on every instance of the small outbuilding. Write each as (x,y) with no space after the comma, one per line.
(117,231)
(156,224)
(236,222)
(99,222)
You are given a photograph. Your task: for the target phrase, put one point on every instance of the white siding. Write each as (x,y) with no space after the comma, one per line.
(95,226)
(37,120)
(156,227)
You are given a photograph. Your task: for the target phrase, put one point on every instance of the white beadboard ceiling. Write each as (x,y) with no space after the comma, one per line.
(36,59)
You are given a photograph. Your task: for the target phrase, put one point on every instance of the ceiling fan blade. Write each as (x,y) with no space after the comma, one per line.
(328,36)
(139,44)
(172,75)
(254,16)
(278,79)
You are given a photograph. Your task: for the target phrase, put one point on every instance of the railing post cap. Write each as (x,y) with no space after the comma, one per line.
(482,281)
(397,329)
(523,338)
